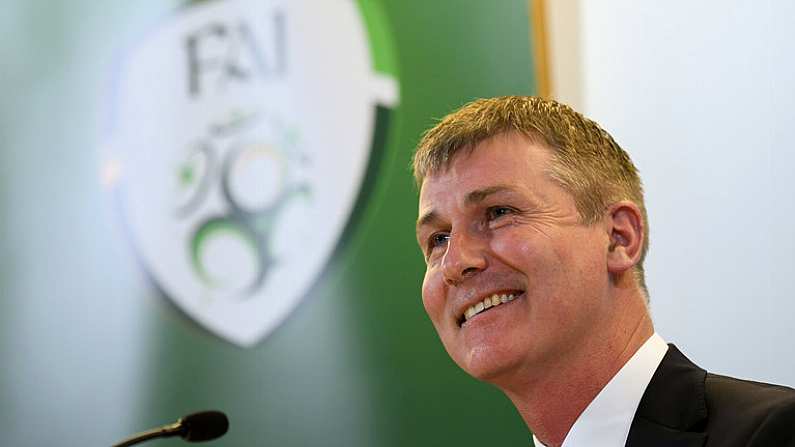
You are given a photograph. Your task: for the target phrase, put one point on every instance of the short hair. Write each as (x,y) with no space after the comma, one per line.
(586,161)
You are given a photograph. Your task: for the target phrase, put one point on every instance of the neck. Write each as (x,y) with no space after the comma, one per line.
(551,399)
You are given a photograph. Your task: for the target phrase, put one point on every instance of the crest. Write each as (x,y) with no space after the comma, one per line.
(241,133)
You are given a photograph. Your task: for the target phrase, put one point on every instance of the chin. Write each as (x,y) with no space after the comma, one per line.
(490,365)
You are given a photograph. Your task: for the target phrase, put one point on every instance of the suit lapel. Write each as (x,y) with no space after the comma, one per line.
(673,410)
(649,434)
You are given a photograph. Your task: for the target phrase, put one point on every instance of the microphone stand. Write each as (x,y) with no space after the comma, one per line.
(165,431)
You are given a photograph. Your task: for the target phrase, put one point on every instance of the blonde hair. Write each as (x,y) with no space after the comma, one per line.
(586,161)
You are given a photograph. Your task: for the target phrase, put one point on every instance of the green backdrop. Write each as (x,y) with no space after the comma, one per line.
(92,351)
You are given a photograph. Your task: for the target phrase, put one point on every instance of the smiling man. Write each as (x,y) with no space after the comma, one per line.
(533,228)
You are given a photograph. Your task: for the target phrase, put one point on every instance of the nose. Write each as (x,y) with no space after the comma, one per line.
(463,259)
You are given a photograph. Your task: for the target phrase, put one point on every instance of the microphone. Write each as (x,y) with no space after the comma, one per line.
(196,427)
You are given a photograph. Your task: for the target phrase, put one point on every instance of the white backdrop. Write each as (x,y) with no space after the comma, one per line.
(701,95)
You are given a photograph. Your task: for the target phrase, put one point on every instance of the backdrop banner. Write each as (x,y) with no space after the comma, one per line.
(208,205)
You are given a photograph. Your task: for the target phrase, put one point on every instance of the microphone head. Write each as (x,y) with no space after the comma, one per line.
(203,426)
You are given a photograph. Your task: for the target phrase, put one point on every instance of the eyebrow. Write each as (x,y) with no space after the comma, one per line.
(472,198)
(427,218)
(479,195)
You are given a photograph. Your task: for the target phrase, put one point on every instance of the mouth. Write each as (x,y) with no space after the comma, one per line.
(488,303)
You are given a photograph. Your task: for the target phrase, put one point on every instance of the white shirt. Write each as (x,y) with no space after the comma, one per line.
(606,420)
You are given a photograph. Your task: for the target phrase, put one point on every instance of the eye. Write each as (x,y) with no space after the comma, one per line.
(495,212)
(435,241)
(438,239)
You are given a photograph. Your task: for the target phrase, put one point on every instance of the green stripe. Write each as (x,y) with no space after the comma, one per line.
(380,37)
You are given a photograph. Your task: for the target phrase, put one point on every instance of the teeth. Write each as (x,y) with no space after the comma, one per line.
(490,301)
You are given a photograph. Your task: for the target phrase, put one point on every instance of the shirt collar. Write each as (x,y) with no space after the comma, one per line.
(606,420)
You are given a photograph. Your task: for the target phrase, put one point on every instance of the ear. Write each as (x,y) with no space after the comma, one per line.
(627,233)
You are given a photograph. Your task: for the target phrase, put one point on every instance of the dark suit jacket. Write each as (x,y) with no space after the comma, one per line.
(685,406)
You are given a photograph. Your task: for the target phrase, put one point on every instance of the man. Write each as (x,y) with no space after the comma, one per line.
(533,228)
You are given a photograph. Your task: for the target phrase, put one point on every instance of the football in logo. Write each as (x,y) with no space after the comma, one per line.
(242,132)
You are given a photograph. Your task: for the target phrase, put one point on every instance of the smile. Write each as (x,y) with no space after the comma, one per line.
(487,303)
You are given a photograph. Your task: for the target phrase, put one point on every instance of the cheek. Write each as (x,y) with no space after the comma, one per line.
(587,255)
(544,263)
(521,252)
(433,295)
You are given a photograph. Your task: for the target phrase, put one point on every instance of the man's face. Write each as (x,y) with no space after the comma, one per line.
(494,224)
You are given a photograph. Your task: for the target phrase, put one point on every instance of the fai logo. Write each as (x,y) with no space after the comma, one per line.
(241,134)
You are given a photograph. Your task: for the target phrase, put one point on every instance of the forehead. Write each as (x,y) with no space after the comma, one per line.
(511,160)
